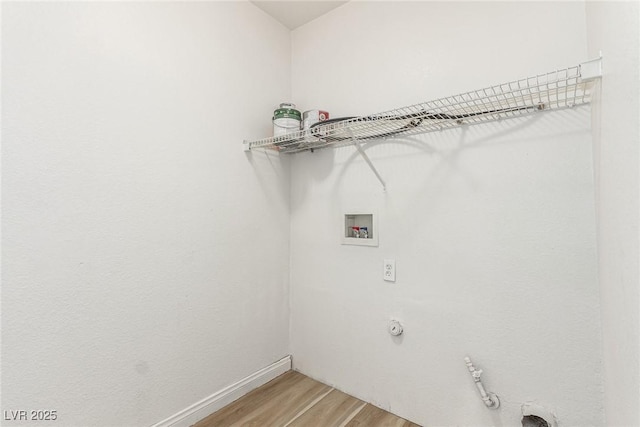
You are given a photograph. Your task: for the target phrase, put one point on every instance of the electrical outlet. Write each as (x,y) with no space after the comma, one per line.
(389,272)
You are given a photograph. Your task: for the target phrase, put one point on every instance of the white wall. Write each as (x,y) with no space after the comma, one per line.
(492,227)
(145,258)
(614,29)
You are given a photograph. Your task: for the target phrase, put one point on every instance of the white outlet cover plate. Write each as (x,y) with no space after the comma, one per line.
(389,270)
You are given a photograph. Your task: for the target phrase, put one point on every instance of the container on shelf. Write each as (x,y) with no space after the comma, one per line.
(286,119)
(311,117)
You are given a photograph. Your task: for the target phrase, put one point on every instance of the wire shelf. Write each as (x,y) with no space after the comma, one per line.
(559,89)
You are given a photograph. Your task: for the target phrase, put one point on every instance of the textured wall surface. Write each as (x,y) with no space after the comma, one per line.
(614,29)
(492,227)
(145,258)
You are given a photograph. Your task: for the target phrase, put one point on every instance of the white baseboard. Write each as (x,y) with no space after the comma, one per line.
(200,410)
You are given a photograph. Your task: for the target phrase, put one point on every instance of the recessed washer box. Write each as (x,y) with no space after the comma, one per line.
(360,228)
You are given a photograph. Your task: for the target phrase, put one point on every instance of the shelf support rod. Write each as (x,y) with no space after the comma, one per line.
(366,158)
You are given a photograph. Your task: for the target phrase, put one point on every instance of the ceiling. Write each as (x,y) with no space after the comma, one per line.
(293,14)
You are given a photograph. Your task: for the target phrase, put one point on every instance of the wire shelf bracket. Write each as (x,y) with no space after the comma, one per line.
(366,158)
(592,69)
(564,88)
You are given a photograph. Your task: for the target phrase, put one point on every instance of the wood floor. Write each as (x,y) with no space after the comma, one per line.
(294,400)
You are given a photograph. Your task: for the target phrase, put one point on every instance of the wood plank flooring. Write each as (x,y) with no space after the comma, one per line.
(295,400)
